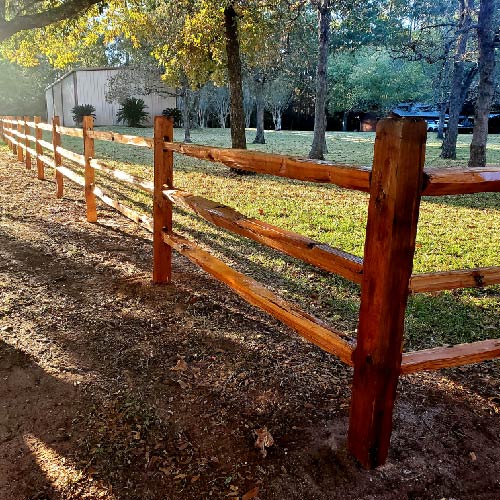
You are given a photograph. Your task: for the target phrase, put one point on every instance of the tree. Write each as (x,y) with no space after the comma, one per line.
(370,79)
(24,15)
(461,79)
(278,95)
(23,90)
(238,137)
(318,148)
(486,41)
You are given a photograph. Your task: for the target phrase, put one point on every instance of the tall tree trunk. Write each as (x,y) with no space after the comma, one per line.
(442,113)
(186,113)
(344,121)
(486,88)
(237,114)
(259,101)
(456,102)
(318,148)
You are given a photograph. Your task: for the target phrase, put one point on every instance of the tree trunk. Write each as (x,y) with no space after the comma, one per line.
(457,84)
(259,101)
(442,113)
(486,88)
(186,118)
(318,148)
(238,137)
(344,121)
(277,127)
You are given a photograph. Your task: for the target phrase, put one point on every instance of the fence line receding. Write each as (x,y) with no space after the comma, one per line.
(395,183)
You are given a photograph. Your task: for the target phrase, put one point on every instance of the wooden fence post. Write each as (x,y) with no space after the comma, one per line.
(56,141)
(395,191)
(27,143)
(13,146)
(162,208)
(40,167)
(89,151)
(20,156)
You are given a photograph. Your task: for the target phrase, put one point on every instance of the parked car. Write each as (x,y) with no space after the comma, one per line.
(433,125)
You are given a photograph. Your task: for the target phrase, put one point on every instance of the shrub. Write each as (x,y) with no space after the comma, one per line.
(175,114)
(80,111)
(132,112)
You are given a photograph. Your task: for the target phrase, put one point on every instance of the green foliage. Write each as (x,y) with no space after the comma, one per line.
(132,112)
(82,110)
(369,79)
(175,114)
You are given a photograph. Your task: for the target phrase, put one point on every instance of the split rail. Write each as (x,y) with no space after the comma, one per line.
(395,183)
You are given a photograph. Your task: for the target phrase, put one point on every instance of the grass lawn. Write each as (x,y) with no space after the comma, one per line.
(454,232)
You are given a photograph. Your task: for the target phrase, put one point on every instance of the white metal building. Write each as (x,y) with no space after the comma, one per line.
(88,86)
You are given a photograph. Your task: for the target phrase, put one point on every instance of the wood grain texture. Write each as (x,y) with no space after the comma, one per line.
(132,140)
(346,176)
(449,280)
(162,208)
(389,248)
(298,246)
(88,154)
(309,327)
(447,357)
(452,181)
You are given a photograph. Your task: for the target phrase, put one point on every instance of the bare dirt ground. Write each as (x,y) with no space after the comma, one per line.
(113,388)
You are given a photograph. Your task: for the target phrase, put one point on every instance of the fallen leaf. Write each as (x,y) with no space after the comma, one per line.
(264,440)
(181,366)
(472,456)
(251,494)
(194,479)
(180,476)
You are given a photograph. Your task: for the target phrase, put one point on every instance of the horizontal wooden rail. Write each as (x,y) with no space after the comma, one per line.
(448,357)
(74,132)
(46,145)
(31,124)
(123,176)
(257,294)
(132,140)
(31,151)
(45,126)
(452,181)
(8,120)
(141,219)
(78,179)
(47,160)
(18,134)
(346,176)
(31,138)
(449,280)
(293,244)
(70,155)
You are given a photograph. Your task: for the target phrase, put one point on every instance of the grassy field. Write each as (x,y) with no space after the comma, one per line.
(454,232)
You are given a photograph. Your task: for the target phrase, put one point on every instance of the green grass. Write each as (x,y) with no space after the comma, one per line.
(454,232)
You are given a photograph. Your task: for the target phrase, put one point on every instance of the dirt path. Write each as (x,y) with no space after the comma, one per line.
(112,388)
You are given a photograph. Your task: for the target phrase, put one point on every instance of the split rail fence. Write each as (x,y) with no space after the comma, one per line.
(395,185)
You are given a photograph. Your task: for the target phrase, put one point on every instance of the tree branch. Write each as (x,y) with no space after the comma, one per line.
(69,9)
